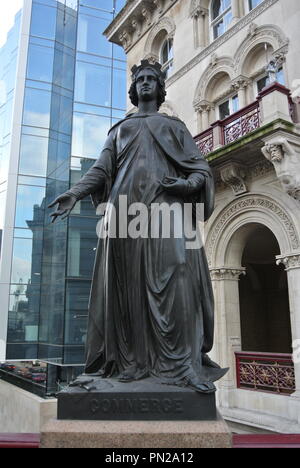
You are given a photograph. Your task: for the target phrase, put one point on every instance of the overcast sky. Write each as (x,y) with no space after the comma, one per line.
(8,9)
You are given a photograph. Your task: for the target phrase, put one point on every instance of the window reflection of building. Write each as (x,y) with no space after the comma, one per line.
(75,90)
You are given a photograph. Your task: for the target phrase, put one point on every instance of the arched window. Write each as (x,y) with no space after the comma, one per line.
(166,56)
(221,16)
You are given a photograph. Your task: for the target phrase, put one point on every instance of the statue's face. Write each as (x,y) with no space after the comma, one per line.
(276,153)
(147,85)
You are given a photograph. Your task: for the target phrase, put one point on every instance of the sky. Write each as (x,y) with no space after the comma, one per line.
(8,9)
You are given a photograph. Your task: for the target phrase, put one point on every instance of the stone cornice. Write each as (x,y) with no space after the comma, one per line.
(144,14)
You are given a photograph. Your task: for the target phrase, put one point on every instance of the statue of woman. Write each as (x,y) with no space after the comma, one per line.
(151,311)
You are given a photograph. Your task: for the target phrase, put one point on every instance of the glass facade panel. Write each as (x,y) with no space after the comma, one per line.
(40,63)
(104,4)
(43,21)
(33,155)
(37,105)
(89,134)
(29,211)
(75,90)
(93,84)
(119,84)
(82,245)
(90,37)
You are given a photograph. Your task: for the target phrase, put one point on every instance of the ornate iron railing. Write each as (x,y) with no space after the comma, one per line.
(241,123)
(205,142)
(265,372)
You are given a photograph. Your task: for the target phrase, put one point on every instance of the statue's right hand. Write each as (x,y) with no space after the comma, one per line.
(66,203)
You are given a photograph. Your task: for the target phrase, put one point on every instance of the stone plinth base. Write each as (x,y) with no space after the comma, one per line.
(136,434)
(143,400)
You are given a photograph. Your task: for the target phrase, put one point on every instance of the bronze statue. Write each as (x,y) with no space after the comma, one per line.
(151,309)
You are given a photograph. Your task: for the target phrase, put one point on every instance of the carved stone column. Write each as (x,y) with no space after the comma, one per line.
(292,265)
(240,84)
(225,282)
(236,10)
(200,20)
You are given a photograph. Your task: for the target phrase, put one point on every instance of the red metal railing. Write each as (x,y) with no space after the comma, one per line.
(205,142)
(265,372)
(241,123)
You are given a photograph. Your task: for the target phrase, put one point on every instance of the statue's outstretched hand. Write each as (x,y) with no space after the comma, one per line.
(66,203)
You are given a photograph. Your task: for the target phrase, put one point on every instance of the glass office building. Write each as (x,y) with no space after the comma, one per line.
(62,86)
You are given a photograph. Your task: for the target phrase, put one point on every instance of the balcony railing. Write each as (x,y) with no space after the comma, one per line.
(265,372)
(205,141)
(245,121)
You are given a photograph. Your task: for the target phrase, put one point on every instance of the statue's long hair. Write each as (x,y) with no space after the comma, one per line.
(161,79)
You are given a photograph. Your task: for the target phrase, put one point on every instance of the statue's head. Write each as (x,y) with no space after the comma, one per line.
(156,83)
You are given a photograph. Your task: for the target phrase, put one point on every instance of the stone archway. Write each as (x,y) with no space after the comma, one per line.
(226,241)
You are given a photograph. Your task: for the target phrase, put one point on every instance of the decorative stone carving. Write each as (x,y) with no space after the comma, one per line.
(285,157)
(289,261)
(213,60)
(197,9)
(160,5)
(252,30)
(234,175)
(126,39)
(253,202)
(225,273)
(147,14)
(136,25)
(241,82)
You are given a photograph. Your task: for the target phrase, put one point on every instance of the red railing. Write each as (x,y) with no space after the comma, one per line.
(205,142)
(241,123)
(265,372)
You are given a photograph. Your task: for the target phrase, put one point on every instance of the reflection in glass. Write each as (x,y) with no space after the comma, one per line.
(90,37)
(37,108)
(63,60)
(119,87)
(21,263)
(77,297)
(43,21)
(93,84)
(79,167)
(40,63)
(89,135)
(33,155)
(82,243)
(29,207)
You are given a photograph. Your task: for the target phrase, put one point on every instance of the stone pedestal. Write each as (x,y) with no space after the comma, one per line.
(97,399)
(136,434)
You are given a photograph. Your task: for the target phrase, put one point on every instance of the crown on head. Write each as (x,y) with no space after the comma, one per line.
(156,67)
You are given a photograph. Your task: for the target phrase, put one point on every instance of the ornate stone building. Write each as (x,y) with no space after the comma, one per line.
(233,76)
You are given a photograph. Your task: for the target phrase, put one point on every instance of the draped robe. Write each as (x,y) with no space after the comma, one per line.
(151,303)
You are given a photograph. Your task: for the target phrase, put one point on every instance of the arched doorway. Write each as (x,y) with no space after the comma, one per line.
(264,297)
